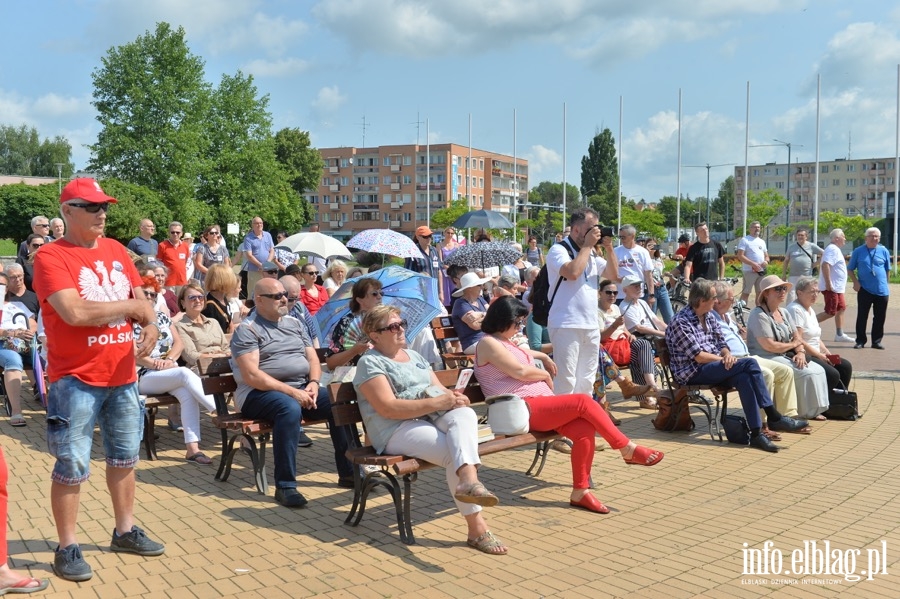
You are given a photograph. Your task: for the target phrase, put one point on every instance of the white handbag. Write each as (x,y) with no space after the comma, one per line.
(507,414)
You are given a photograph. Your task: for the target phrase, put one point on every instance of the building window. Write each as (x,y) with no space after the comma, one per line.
(345,162)
(851,197)
(837,167)
(836,182)
(407,217)
(386,161)
(824,168)
(326,199)
(407,160)
(386,198)
(851,182)
(851,168)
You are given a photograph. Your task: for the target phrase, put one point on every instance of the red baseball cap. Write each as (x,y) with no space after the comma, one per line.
(86,189)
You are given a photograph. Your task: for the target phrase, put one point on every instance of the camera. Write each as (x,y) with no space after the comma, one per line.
(605,231)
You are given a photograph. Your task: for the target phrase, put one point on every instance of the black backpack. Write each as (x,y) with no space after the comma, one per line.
(540,297)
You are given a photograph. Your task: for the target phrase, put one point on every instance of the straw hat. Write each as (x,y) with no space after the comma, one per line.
(769,282)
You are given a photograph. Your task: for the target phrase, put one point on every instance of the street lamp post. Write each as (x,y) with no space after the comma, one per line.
(59,166)
(787,192)
(707,166)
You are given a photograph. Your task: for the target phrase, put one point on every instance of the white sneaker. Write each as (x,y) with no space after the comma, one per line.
(844,338)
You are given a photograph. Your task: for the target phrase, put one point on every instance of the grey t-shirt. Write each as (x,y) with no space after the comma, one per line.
(761,324)
(408,379)
(801,258)
(282,351)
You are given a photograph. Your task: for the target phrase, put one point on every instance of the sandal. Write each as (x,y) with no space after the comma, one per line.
(22,587)
(200,458)
(772,435)
(488,543)
(478,494)
(17,420)
(648,403)
(644,456)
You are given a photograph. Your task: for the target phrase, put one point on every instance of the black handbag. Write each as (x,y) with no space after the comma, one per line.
(736,428)
(843,405)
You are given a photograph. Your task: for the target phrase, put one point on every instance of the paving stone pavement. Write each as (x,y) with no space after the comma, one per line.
(676,530)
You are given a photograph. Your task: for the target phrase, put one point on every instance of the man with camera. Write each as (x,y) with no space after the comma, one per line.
(572,323)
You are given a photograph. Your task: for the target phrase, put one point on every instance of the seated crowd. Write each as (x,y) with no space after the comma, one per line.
(779,364)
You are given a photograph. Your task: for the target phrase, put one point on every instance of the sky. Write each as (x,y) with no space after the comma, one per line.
(329,66)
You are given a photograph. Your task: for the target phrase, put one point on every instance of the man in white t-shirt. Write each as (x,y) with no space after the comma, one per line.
(833,283)
(634,259)
(754,255)
(572,323)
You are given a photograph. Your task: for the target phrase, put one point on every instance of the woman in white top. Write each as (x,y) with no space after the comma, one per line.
(641,364)
(334,276)
(838,370)
(16,331)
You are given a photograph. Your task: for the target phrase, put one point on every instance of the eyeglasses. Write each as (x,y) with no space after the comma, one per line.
(174,232)
(292,299)
(16,277)
(519,322)
(46,224)
(394,327)
(89,207)
(780,289)
(608,292)
(271,272)
(275,296)
(312,272)
(151,295)
(36,245)
(213,233)
(376,294)
(424,235)
(195,298)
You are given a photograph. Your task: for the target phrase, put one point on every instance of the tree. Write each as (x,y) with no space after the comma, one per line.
(548,192)
(723,203)
(20,202)
(854,227)
(135,202)
(764,205)
(152,100)
(668,207)
(543,224)
(600,168)
(22,153)
(649,222)
(301,161)
(606,205)
(445,217)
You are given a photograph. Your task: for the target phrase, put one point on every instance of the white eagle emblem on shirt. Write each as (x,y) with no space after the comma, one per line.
(104,286)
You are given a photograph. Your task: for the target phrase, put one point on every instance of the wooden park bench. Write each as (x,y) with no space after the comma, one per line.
(345,409)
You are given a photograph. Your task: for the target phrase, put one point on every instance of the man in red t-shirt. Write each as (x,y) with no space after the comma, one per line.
(90,298)
(174,253)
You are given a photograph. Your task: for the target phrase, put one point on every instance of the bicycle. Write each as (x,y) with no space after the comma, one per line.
(678,294)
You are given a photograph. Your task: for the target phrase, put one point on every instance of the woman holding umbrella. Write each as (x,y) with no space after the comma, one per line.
(429,262)
(348,341)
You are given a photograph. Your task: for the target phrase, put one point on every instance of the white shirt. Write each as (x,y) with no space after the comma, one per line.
(636,314)
(754,249)
(635,261)
(575,304)
(806,320)
(834,258)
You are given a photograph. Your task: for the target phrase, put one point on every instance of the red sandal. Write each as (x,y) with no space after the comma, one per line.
(644,456)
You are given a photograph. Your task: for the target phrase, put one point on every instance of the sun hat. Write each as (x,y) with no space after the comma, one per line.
(629,280)
(768,282)
(470,279)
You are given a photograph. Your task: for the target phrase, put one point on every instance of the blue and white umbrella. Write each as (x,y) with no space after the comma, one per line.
(414,293)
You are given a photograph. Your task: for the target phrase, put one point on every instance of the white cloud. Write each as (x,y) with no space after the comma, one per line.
(273,34)
(862,53)
(541,160)
(282,67)
(595,30)
(326,105)
(53,105)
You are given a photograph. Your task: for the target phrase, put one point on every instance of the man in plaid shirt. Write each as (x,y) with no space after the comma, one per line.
(700,356)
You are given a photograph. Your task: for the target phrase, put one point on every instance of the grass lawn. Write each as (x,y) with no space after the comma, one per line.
(8,247)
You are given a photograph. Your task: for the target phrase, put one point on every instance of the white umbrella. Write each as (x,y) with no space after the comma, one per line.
(316,244)
(385,241)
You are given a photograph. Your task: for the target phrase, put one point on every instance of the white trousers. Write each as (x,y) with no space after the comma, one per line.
(576,354)
(184,384)
(450,441)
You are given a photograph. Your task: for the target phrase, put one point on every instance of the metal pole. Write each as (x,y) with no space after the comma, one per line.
(816,185)
(707,193)
(787,218)
(896,171)
(564,169)
(619,163)
(427,174)
(515,185)
(678,174)
(746,160)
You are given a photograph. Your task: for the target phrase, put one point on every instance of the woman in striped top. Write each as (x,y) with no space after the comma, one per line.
(503,367)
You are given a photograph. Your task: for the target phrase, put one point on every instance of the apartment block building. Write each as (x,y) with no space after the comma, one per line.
(848,186)
(391,187)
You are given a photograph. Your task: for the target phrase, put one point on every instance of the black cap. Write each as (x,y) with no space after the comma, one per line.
(683,239)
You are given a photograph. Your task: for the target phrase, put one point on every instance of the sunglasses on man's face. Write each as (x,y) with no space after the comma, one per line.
(608,292)
(174,232)
(275,296)
(90,207)
(151,295)
(36,245)
(394,327)
(43,225)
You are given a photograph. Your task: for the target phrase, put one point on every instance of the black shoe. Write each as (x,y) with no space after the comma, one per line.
(304,440)
(136,541)
(788,424)
(877,346)
(859,346)
(290,497)
(763,442)
(346,482)
(69,564)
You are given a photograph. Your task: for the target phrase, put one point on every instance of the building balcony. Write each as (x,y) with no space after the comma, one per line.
(334,187)
(395,187)
(395,168)
(333,169)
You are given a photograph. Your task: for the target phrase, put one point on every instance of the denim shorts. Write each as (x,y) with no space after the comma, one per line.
(11,360)
(73,410)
